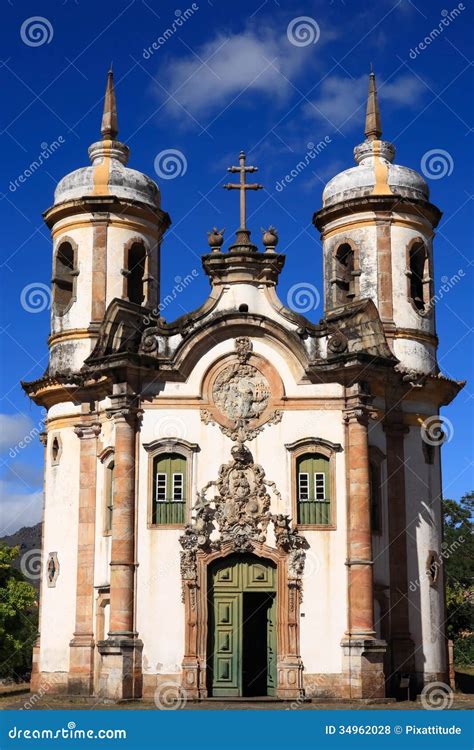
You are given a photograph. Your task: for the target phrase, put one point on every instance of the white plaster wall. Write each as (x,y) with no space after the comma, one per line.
(160,612)
(424,534)
(60,535)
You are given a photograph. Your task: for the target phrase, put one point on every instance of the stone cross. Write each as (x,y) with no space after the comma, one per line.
(242,186)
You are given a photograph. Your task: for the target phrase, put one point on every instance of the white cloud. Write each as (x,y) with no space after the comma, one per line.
(13,429)
(342,101)
(18,509)
(235,64)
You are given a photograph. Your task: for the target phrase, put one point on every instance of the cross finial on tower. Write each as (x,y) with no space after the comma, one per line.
(109,128)
(242,186)
(373,125)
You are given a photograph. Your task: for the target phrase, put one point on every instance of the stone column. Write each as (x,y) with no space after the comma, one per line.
(120,674)
(35,681)
(401,644)
(363,675)
(81,662)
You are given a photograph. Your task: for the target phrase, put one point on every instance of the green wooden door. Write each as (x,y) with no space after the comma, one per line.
(230,580)
(227,656)
(271,648)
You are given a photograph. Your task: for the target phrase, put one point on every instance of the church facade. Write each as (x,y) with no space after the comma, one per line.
(242,502)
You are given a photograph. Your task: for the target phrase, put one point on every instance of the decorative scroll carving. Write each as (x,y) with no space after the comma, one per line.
(242,432)
(337,342)
(239,515)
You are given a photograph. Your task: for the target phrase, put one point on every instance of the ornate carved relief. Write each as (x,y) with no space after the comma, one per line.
(238,516)
(240,396)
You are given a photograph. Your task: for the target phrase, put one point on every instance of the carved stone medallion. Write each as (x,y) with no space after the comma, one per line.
(241,392)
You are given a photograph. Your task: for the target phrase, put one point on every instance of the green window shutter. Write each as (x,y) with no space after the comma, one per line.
(169,489)
(313,500)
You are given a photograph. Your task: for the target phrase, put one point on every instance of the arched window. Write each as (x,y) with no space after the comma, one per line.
(344,277)
(169,489)
(418,276)
(109,486)
(313,490)
(136,266)
(64,277)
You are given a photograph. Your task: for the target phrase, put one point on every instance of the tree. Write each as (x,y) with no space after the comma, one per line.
(459,573)
(18,617)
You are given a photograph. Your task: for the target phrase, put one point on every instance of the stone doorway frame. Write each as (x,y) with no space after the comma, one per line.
(196,612)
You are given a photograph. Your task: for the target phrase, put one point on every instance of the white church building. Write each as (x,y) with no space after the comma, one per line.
(242,502)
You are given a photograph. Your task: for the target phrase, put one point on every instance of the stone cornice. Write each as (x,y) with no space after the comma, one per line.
(243,266)
(107,205)
(378,203)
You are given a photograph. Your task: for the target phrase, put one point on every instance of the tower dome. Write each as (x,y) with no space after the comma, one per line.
(377,227)
(108,173)
(107,224)
(375,171)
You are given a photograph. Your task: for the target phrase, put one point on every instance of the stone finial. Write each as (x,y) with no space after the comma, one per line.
(373,125)
(270,239)
(109,127)
(215,239)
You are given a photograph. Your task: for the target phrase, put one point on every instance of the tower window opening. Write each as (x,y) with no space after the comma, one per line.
(418,276)
(344,274)
(64,277)
(136,273)
(243,308)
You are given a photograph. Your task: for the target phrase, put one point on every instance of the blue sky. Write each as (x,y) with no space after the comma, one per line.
(209,79)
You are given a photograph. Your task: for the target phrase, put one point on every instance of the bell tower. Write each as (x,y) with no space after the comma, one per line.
(377,227)
(107,225)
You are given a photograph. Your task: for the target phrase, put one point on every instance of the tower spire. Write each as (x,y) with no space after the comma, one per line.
(373,125)
(109,127)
